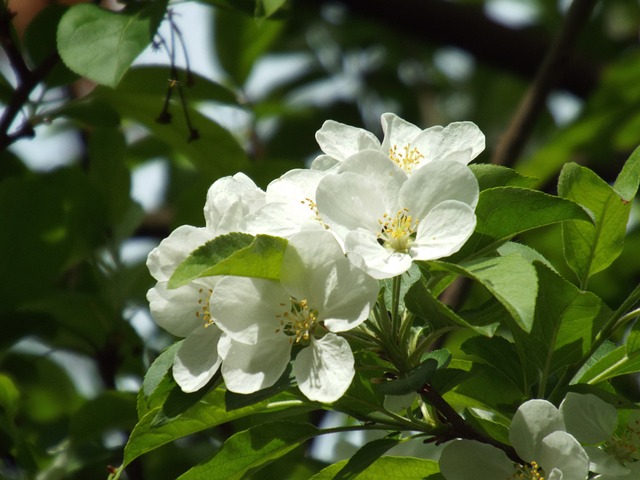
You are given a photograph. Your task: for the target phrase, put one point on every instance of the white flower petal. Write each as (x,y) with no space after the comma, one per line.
(197,359)
(341,141)
(458,136)
(228,200)
(246,309)
(366,253)
(278,219)
(562,451)
(163,260)
(324,369)
(294,187)
(436,182)
(397,131)
(325,163)
(175,309)
(376,167)
(533,421)
(588,418)
(443,231)
(471,460)
(605,463)
(249,368)
(348,201)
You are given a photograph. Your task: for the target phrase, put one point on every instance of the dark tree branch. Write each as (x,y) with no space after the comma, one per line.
(465,26)
(459,427)
(533,102)
(27,81)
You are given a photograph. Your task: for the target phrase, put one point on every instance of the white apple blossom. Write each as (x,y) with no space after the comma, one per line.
(407,145)
(614,455)
(387,219)
(538,435)
(290,205)
(184,311)
(319,295)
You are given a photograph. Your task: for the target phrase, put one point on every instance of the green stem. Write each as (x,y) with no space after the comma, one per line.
(395,306)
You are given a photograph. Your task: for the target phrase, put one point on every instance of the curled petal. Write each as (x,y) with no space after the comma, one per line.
(228,200)
(366,253)
(560,450)
(471,460)
(340,141)
(533,421)
(588,418)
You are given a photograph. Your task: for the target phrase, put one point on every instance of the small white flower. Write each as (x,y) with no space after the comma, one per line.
(184,311)
(538,436)
(319,294)
(387,219)
(614,456)
(405,144)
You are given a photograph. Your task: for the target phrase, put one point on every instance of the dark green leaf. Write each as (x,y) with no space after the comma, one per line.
(251,449)
(365,456)
(415,378)
(503,212)
(628,179)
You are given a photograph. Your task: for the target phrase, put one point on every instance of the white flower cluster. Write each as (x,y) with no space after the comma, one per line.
(582,436)
(364,211)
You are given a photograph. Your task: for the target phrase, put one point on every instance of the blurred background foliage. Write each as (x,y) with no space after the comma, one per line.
(94,176)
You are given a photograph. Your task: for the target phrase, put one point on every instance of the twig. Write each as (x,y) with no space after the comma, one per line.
(550,72)
(459,427)
(27,81)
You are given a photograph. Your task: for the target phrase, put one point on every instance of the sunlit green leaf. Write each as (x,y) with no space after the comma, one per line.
(590,248)
(366,456)
(387,468)
(100,44)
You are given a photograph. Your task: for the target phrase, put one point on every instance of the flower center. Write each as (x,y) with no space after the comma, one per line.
(299,322)
(406,158)
(203,306)
(626,447)
(397,232)
(532,471)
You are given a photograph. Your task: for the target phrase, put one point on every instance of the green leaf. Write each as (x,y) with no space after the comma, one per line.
(100,44)
(566,323)
(366,456)
(233,254)
(9,396)
(216,153)
(40,43)
(499,353)
(266,8)
(422,302)
(503,212)
(158,369)
(251,449)
(615,363)
(629,178)
(416,377)
(210,411)
(590,248)
(490,176)
(387,468)
(511,280)
(240,41)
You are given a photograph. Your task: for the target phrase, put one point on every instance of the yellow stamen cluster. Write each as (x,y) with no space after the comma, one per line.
(299,322)
(406,158)
(203,306)
(625,448)
(397,232)
(307,202)
(531,471)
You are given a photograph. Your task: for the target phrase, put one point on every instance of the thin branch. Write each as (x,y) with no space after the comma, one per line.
(551,71)
(459,427)
(19,98)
